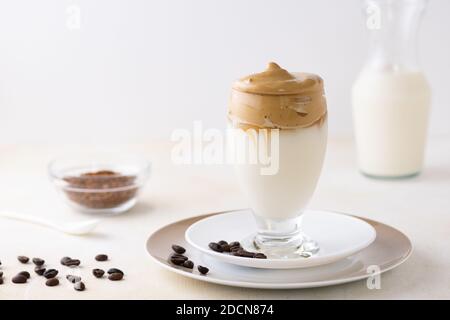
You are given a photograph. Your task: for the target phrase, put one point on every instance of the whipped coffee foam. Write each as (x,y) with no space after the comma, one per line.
(278,99)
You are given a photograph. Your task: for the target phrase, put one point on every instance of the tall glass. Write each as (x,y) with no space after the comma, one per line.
(279,121)
(391,97)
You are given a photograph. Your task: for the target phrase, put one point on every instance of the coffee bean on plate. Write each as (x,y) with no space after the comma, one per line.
(114,270)
(226,248)
(115,276)
(222,242)
(19,279)
(79,286)
(64,260)
(244,254)
(50,273)
(260,256)
(73,278)
(98,273)
(39,270)
(235,244)
(101,257)
(38,261)
(203,270)
(176,259)
(215,247)
(178,249)
(26,274)
(23,259)
(52,282)
(188,264)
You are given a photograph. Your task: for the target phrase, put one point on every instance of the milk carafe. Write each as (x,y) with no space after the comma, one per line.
(391,97)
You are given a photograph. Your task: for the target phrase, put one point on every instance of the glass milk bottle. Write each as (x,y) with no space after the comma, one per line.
(391,97)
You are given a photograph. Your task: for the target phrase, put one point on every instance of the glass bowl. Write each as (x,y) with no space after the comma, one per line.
(100,183)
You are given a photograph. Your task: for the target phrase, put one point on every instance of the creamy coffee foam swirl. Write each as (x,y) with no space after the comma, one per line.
(276,98)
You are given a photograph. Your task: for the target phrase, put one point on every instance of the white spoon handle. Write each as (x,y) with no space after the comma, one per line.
(28,218)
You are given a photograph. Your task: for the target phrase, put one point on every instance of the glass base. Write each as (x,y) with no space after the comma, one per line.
(381,177)
(281,240)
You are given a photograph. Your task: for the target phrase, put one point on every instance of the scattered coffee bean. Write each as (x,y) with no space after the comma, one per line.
(64,260)
(38,261)
(226,248)
(39,270)
(52,282)
(72,263)
(23,259)
(178,249)
(101,257)
(222,242)
(114,270)
(73,278)
(19,279)
(50,273)
(79,286)
(115,276)
(1,274)
(26,274)
(1,280)
(260,256)
(188,264)
(215,247)
(203,270)
(98,273)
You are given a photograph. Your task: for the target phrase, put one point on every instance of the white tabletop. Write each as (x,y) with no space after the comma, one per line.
(420,207)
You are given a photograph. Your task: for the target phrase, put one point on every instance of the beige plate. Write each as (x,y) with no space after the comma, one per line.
(390,249)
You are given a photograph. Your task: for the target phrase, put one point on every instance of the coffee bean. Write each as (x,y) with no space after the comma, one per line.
(243,253)
(222,242)
(101,257)
(114,270)
(235,249)
(79,286)
(38,261)
(177,255)
(215,247)
(98,273)
(50,273)
(26,274)
(1,280)
(19,279)
(52,282)
(64,260)
(23,259)
(203,270)
(72,263)
(176,260)
(235,244)
(1,274)
(73,278)
(39,270)
(226,247)
(178,249)
(260,256)
(115,276)
(188,264)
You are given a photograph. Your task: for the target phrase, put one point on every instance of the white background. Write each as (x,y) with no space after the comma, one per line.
(138,69)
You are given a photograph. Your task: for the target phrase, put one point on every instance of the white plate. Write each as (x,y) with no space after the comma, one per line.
(338,235)
(390,249)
